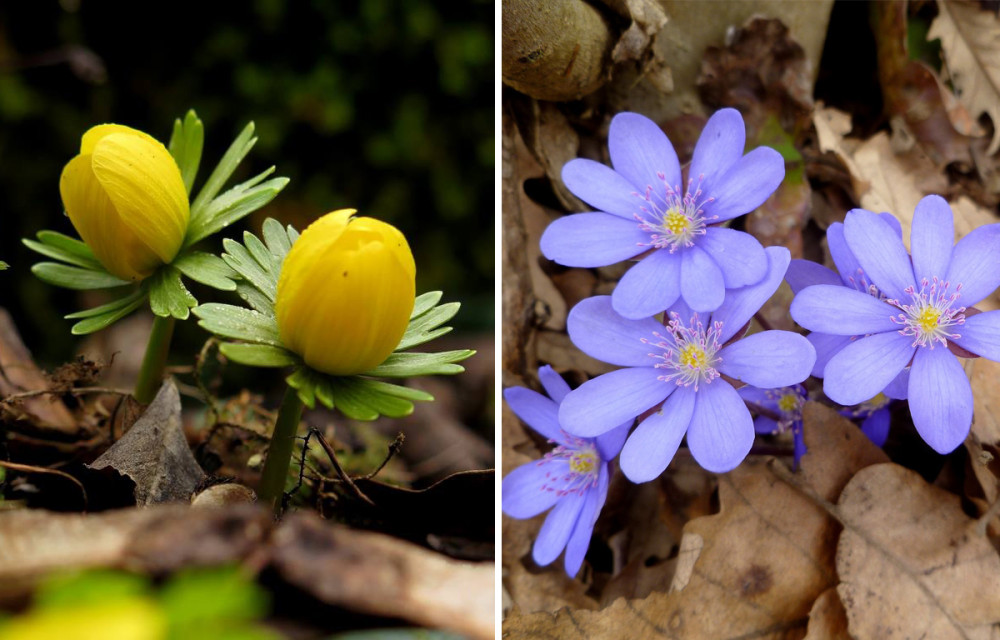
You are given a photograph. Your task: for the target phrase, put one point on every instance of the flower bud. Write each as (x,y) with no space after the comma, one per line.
(125,196)
(346,293)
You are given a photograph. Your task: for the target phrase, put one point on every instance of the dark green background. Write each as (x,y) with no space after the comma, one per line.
(382,105)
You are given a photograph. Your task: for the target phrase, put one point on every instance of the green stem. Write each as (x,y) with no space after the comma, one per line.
(279,454)
(155,360)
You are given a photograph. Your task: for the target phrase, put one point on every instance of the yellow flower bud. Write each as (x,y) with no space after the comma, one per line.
(346,293)
(125,196)
(133,618)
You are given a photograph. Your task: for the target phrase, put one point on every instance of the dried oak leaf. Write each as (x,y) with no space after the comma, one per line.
(827,619)
(754,569)
(971,52)
(155,454)
(911,563)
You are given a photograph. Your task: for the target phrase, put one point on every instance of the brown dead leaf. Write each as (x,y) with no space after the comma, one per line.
(155,454)
(827,619)
(754,569)
(378,575)
(971,53)
(19,373)
(911,563)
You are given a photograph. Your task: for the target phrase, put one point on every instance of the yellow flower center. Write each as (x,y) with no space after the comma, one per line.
(928,319)
(692,356)
(583,462)
(676,222)
(788,402)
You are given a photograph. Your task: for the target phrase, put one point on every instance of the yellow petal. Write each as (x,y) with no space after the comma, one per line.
(94,135)
(126,619)
(346,293)
(96,220)
(145,186)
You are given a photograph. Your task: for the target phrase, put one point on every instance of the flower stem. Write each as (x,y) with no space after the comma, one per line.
(155,360)
(279,454)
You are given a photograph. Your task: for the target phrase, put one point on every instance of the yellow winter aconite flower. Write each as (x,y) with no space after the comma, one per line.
(125,196)
(345,293)
(126,619)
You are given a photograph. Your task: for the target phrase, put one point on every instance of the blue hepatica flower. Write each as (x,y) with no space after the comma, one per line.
(676,372)
(927,307)
(572,479)
(874,416)
(785,403)
(641,207)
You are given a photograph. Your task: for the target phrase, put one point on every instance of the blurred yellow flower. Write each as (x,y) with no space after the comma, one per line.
(125,196)
(346,293)
(125,619)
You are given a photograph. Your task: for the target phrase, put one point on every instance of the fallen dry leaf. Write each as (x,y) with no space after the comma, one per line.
(155,454)
(827,619)
(754,569)
(971,52)
(911,563)
(379,575)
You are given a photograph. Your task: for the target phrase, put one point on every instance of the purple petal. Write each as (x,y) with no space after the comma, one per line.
(650,286)
(981,335)
(847,265)
(602,188)
(746,185)
(525,492)
(610,444)
(876,427)
(557,528)
(898,387)
(740,304)
(931,238)
(863,368)
(880,251)
(599,405)
(640,151)
(805,273)
(975,264)
(764,426)
(719,147)
(579,540)
(597,330)
(536,411)
(893,222)
(553,383)
(940,399)
(721,431)
(759,397)
(739,255)
(592,240)
(827,345)
(768,359)
(654,442)
(702,286)
(841,311)
(798,443)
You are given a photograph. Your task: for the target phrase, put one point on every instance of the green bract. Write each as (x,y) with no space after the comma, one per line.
(76,266)
(255,331)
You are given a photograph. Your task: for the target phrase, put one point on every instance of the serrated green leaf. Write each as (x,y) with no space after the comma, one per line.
(276,238)
(63,255)
(258,355)
(109,314)
(305,386)
(424,303)
(404,365)
(232,206)
(425,328)
(238,257)
(207,268)
(167,294)
(238,150)
(185,146)
(253,297)
(62,275)
(67,243)
(238,323)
